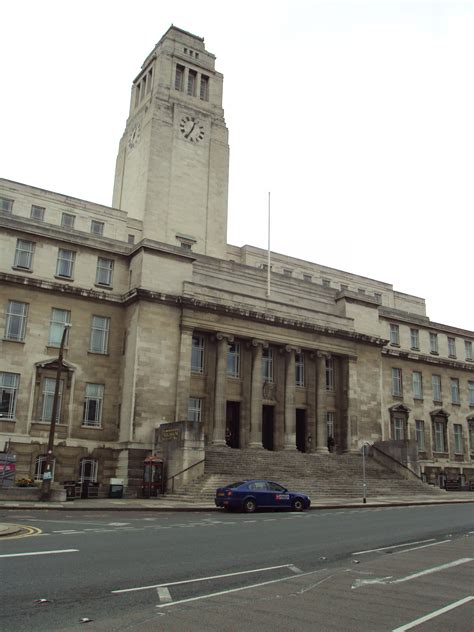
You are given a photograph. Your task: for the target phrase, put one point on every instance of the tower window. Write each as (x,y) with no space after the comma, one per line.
(37,212)
(179,78)
(204,88)
(192,77)
(97,228)
(137,94)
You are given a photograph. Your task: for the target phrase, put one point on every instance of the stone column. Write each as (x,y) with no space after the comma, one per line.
(290,412)
(220,399)
(184,374)
(256,399)
(352,403)
(321,431)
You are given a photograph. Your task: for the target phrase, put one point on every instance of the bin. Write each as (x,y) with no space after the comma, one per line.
(115,490)
(73,489)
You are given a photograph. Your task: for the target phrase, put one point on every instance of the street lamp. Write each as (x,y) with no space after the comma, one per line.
(48,475)
(364,449)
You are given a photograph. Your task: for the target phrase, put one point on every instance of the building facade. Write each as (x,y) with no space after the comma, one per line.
(168,322)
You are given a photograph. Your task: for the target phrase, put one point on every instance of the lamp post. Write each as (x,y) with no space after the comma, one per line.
(48,475)
(364,449)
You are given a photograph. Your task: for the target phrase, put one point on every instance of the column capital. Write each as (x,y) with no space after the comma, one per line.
(323,354)
(255,343)
(289,349)
(224,336)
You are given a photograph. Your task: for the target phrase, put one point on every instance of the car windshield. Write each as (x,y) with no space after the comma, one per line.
(238,484)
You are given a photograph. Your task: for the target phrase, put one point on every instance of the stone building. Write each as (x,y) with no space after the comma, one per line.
(170,323)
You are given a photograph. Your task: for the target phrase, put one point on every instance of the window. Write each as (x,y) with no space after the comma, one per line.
(287,272)
(397,382)
(470,388)
(104,271)
(24,254)
(361,290)
(267,365)
(414,338)
(131,239)
(97,228)
(433,342)
(49,385)
(197,354)
(204,88)
(344,286)
(378,298)
(299,369)
(326,283)
(179,78)
(40,467)
(329,370)
(436,384)
(458,442)
(59,318)
(420,434)
(417,385)
(67,220)
(93,405)
(451,347)
(8,393)
(37,212)
(65,264)
(454,390)
(398,428)
(471,435)
(15,326)
(468,349)
(192,76)
(307,277)
(195,409)
(6,205)
(330,419)
(394,335)
(233,360)
(439,436)
(99,334)
(88,470)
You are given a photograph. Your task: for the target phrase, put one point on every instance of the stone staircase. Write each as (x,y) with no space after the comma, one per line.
(320,476)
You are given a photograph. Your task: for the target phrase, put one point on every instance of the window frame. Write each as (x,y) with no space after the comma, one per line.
(397,382)
(451,346)
(97,228)
(468,349)
(59,324)
(47,399)
(267,365)
(394,334)
(95,420)
(107,270)
(233,360)
(6,205)
(330,423)
(21,252)
(94,464)
(458,439)
(195,409)
(197,354)
(470,390)
(434,347)
(40,467)
(436,386)
(13,317)
(299,370)
(34,209)
(70,216)
(454,388)
(67,262)
(9,392)
(439,436)
(329,373)
(414,338)
(417,384)
(97,331)
(420,435)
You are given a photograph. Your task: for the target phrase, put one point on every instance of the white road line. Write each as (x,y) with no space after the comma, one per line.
(435,569)
(40,553)
(415,548)
(395,546)
(66,531)
(295,569)
(433,614)
(232,590)
(163,594)
(204,579)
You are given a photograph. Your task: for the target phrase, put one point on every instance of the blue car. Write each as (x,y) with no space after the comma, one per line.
(251,495)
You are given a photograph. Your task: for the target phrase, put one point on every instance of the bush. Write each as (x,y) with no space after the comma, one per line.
(25,482)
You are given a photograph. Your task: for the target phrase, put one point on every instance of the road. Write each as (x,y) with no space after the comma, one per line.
(330,570)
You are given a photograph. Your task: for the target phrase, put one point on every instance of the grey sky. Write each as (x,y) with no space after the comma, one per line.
(358,117)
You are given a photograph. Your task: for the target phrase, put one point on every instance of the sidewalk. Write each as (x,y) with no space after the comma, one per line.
(162,503)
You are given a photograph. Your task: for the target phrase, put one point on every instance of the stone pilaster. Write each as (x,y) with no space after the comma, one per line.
(256,398)
(220,399)
(290,412)
(352,403)
(184,374)
(321,432)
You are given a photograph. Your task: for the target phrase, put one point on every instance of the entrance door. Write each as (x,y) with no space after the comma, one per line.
(267,427)
(301,429)
(232,428)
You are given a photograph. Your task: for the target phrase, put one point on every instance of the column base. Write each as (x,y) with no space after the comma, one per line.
(255,445)
(218,442)
(289,447)
(321,450)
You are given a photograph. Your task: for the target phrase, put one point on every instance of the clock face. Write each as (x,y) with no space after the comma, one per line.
(134,136)
(191,129)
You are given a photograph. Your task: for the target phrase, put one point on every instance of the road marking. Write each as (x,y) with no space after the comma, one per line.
(395,546)
(204,579)
(434,569)
(117,524)
(163,594)
(433,614)
(232,590)
(66,531)
(423,547)
(295,569)
(40,553)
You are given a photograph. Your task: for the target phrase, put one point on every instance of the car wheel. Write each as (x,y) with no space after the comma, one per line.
(250,506)
(297,504)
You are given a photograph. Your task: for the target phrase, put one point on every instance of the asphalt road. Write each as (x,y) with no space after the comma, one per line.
(327,570)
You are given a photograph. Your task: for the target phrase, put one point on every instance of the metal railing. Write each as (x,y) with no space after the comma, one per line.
(171,478)
(399,463)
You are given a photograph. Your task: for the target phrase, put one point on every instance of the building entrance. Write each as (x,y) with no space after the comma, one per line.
(232,428)
(301,431)
(267,427)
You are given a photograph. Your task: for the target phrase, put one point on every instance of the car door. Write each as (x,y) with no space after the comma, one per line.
(278,496)
(259,491)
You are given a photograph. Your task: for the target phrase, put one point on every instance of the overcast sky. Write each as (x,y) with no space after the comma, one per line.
(357,116)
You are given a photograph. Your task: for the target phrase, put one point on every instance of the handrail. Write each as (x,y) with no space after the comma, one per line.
(171,478)
(389,456)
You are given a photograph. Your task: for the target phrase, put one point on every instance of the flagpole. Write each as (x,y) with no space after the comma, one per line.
(268,254)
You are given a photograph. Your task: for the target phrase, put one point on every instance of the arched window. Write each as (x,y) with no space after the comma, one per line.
(40,467)
(88,470)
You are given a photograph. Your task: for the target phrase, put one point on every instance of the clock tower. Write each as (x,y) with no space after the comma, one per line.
(173,160)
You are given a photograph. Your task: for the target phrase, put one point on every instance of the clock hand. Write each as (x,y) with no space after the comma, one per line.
(192,128)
